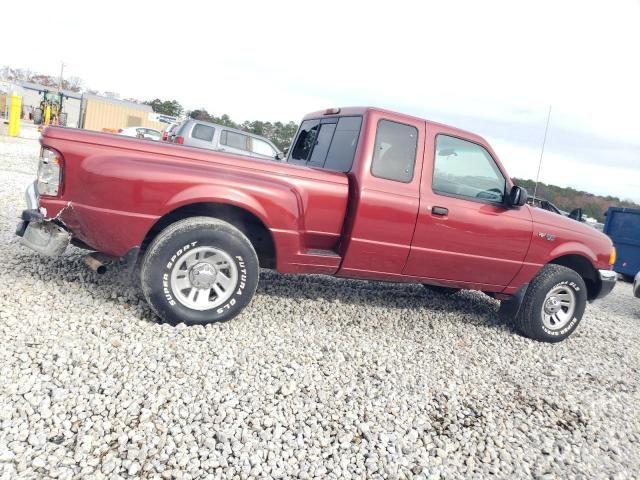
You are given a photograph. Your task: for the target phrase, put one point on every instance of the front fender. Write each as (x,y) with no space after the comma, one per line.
(573,248)
(541,253)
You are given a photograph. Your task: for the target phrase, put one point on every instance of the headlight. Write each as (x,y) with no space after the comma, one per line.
(49,172)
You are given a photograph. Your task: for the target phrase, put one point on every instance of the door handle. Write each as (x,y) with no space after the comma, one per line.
(441,211)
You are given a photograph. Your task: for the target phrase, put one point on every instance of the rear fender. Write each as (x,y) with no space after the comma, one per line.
(276,209)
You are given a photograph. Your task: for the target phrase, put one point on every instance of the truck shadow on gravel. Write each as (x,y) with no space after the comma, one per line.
(470,306)
(119,287)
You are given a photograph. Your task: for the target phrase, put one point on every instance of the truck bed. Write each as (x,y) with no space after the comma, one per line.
(116,188)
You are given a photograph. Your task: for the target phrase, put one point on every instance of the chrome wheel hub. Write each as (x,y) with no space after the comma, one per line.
(203,275)
(552,305)
(559,307)
(203,278)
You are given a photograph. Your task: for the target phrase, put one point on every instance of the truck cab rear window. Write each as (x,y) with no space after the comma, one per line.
(394,155)
(329,143)
(305,141)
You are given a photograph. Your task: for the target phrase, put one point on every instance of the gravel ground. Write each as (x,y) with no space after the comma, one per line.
(319,377)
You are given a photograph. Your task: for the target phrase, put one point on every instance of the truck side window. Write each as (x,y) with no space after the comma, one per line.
(202,132)
(394,155)
(466,169)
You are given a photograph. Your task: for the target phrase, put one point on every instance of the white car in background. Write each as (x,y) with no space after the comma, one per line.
(141,132)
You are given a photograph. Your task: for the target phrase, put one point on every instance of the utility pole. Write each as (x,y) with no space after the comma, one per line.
(544,140)
(61,70)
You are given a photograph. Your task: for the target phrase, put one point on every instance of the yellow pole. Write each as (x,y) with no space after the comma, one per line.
(47,115)
(15,111)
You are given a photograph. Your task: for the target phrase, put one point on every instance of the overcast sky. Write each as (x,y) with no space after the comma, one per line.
(490,67)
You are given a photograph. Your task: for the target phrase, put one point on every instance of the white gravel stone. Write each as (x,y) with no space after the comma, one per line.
(318,378)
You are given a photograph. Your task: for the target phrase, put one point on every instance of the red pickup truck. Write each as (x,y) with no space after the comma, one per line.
(363,193)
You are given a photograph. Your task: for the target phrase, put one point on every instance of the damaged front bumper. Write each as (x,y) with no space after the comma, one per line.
(40,234)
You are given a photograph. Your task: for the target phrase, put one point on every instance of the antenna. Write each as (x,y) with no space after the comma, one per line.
(544,140)
(62,65)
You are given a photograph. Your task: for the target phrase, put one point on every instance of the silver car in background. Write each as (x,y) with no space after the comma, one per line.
(200,134)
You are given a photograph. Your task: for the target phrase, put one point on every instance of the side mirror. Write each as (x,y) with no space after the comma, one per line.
(517,196)
(282,155)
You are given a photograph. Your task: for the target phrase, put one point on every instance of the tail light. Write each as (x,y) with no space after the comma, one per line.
(180,140)
(164,136)
(613,256)
(49,172)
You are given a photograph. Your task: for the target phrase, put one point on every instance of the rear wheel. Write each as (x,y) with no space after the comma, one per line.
(553,304)
(199,270)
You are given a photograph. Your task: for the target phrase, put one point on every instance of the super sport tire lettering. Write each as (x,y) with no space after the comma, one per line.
(177,239)
(529,318)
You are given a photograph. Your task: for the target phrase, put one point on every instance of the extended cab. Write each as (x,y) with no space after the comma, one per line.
(364,193)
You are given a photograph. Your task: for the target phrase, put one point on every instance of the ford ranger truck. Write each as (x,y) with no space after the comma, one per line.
(364,193)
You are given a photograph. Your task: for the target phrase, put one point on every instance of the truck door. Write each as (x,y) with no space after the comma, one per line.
(384,197)
(465,232)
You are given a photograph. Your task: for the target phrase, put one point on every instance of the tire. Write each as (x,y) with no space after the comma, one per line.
(555,287)
(37,116)
(441,290)
(626,278)
(199,270)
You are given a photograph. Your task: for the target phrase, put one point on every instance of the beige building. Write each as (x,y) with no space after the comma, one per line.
(109,114)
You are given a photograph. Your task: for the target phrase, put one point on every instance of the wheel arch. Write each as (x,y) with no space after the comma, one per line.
(583,267)
(245,220)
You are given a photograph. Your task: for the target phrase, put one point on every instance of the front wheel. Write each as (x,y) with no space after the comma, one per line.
(199,270)
(553,304)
